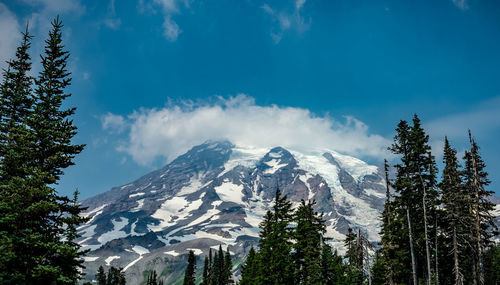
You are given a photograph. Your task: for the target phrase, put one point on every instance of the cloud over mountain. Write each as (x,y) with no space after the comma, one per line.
(167,132)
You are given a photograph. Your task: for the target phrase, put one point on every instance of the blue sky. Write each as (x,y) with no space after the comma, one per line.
(151,78)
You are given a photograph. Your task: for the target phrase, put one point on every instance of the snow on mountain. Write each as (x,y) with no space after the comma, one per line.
(217,193)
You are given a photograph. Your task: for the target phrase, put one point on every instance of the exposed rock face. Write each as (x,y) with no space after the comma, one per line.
(217,193)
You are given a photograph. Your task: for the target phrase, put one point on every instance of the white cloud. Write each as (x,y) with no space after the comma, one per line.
(461,4)
(170,131)
(113,123)
(46,10)
(170,29)
(287,20)
(9,34)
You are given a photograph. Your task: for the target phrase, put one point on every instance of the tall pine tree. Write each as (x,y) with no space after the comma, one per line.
(189,276)
(484,228)
(275,263)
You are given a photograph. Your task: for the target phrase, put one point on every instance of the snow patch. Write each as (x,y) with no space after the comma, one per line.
(111,258)
(172,252)
(116,232)
(230,192)
(274,165)
(136,194)
(375,193)
(139,206)
(196,251)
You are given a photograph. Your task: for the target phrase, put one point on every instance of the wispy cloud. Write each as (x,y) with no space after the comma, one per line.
(461,4)
(9,34)
(287,20)
(112,21)
(169,8)
(167,132)
(481,119)
(44,10)
(113,123)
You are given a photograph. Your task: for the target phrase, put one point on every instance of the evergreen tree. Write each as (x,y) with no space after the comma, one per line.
(100,276)
(39,225)
(206,269)
(216,268)
(457,215)
(492,265)
(189,276)
(228,266)
(308,237)
(249,269)
(16,139)
(414,207)
(332,267)
(275,264)
(116,276)
(476,179)
(379,270)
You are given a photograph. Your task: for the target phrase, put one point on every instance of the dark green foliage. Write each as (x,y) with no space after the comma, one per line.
(189,276)
(249,270)
(206,269)
(483,229)
(100,276)
(115,276)
(415,185)
(457,218)
(379,270)
(492,265)
(37,226)
(227,274)
(333,269)
(308,235)
(275,244)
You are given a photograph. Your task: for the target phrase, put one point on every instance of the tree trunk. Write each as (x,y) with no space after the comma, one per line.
(427,252)
(478,222)
(456,267)
(436,254)
(413,265)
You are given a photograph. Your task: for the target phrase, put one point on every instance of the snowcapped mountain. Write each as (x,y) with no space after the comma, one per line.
(217,193)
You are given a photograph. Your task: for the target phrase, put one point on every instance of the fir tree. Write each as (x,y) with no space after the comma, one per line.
(189,276)
(275,264)
(116,276)
(476,179)
(40,238)
(308,237)
(206,269)
(332,267)
(228,266)
(456,204)
(415,206)
(249,269)
(16,138)
(100,276)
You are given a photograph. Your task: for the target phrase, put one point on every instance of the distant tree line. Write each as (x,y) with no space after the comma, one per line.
(37,224)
